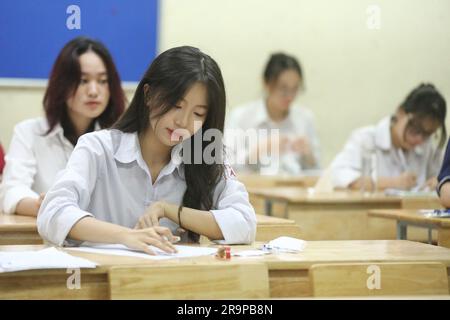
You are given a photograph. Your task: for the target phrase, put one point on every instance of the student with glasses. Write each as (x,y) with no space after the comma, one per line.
(297,142)
(407,146)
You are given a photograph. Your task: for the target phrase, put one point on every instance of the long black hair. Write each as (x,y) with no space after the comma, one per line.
(425,101)
(170,76)
(65,78)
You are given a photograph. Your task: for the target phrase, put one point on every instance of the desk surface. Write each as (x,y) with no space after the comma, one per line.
(298,195)
(414,216)
(255,180)
(288,274)
(8,222)
(315,252)
(16,222)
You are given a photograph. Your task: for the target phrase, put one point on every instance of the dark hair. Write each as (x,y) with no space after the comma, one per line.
(279,62)
(426,102)
(65,78)
(170,76)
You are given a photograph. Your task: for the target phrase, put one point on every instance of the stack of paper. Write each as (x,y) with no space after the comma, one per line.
(49,258)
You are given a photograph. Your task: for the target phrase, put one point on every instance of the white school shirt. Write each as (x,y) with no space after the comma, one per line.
(298,123)
(107,178)
(424,160)
(33,161)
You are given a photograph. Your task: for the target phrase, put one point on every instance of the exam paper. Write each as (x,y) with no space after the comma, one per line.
(121,250)
(285,244)
(49,258)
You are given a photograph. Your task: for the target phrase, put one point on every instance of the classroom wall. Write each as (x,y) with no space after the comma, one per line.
(354,75)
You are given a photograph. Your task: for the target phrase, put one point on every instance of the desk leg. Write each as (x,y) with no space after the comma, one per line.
(402,231)
(268,205)
(430,236)
(444,237)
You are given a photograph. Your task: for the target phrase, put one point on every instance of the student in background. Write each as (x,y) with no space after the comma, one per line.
(83,94)
(298,143)
(406,157)
(443,188)
(2,160)
(137,184)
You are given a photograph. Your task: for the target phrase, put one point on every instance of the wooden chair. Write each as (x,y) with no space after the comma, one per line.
(379,279)
(197,281)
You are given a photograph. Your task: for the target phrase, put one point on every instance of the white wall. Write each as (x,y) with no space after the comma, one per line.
(354,75)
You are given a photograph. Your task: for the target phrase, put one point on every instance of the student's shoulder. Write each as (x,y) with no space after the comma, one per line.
(96,140)
(108,140)
(32,126)
(247,109)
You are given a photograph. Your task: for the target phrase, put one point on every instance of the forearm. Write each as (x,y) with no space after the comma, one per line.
(198,221)
(28,207)
(309,160)
(93,230)
(387,182)
(444,195)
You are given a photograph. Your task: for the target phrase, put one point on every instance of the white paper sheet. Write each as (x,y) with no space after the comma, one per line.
(121,250)
(250,253)
(49,258)
(285,244)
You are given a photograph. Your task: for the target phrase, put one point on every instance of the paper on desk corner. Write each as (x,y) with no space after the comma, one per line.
(286,244)
(49,258)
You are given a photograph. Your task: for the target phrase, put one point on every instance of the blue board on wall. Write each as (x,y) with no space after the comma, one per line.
(32,32)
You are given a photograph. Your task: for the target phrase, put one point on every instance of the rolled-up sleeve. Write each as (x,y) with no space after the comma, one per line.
(234,214)
(20,169)
(444,174)
(346,167)
(66,201)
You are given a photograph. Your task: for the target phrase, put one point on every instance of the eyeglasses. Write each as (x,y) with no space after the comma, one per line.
(415,128)
(287,92)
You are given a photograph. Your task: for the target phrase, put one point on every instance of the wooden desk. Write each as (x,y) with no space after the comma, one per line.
(16,229)
(288,273)
(340,215)
(267,181)
(405,218)
(269,228)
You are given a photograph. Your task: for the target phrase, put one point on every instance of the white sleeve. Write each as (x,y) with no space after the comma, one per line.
(314,141)
(20,169)
(234,214)
(435,163)
(346,167)
(235,141)
(67,200)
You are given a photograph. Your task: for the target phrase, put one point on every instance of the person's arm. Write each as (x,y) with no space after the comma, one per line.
(29,206)
(18,174)
(233,221)
(62,216)
(345,169)
(444,194)
(93,230)
(405,181)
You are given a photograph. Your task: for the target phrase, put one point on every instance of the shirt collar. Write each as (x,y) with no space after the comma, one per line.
(262,116)
(129,150)
(383,136)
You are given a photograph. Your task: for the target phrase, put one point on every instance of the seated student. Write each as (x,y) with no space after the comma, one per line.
(297,141)
(405,155)
(83,94)
(137,185)
(2,160)
(443,188)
